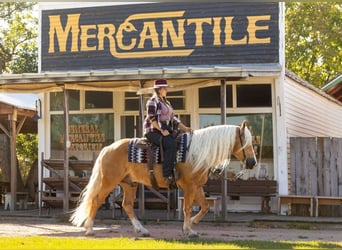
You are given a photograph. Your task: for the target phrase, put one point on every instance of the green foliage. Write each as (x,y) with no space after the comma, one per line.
(27,153)
(18,33)
(313,42)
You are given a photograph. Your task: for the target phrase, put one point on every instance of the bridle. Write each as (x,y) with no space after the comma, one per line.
(218,171)
(244,169)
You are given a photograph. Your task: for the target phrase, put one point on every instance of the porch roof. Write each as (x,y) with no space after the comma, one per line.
(131,79)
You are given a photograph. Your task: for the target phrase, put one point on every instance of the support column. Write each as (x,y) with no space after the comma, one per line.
(141,191)
(13,135)
(66,152)
(224,179)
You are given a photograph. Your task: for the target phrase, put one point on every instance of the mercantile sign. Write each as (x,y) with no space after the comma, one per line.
(159,34)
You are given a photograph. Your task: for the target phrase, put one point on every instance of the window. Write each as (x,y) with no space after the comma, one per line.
(131,101)
(131,126)
(177,99)
(87,132)
(256,95)
(185,119)
(57,100)
(98,99)
(259,125)
(210,97)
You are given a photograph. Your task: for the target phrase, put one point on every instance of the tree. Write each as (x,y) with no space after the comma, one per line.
(27,148)
(18,34)
(313,42)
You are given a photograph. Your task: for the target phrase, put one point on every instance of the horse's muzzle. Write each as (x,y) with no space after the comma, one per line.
(250,163)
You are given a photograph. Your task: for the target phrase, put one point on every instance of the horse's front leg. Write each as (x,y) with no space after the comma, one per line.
(128,205)
(187,210)
(202,202)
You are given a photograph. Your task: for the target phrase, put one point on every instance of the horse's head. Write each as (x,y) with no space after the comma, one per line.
(243,148)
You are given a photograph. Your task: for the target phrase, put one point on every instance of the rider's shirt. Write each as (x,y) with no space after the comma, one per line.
(160,111)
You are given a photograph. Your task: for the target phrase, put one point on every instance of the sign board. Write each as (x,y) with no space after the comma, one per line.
(159,35)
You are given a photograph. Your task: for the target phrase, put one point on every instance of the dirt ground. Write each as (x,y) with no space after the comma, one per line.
(270,231)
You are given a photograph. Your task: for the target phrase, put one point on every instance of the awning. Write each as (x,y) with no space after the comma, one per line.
(132,78)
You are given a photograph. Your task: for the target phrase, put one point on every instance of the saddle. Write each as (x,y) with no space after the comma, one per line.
(141,150)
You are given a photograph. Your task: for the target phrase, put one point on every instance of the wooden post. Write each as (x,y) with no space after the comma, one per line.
(66,152)
(141,191)
(40,185)
(224,179)
(13,135)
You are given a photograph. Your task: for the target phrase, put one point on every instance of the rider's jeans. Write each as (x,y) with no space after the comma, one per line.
(169,150)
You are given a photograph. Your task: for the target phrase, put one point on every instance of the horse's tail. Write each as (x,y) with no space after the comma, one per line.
(88,195)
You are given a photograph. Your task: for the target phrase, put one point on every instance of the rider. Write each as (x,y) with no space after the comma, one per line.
(160,125)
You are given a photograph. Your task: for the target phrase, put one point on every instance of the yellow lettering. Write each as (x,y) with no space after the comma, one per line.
(177,40)
(228,32)
(217,31)
(105,31)
(253,28)
(149,32)
(85,36)
(199,29)
(125,27)
(62,34)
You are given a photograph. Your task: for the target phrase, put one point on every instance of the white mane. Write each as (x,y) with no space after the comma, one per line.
(210,146)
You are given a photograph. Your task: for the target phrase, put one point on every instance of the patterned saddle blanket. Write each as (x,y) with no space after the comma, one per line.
(138,153)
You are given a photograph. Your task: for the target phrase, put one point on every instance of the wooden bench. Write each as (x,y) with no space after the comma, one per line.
(295,199)
(236,188)
(214,201)
(326,200)
(262,188)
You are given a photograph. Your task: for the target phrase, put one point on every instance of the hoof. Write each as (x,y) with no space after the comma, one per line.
(143,232)
(146,234)
(89,233)
(192,234)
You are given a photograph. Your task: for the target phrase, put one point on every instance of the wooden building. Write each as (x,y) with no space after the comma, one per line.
(106,56)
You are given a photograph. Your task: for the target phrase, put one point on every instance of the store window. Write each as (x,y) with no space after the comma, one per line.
(57,100)
(254,95)
(131,126)
(210,97)
(177,99)
(131,101)
(98,99)
(261,128)
(87,133)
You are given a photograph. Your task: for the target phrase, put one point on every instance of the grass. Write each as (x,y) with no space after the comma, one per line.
(129,243)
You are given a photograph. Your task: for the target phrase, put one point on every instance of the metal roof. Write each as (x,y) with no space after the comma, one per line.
(334,88)
(130,79)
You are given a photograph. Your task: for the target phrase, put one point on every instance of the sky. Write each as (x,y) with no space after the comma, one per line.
(27,101)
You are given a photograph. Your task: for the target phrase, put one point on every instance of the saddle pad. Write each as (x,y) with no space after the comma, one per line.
(139,155)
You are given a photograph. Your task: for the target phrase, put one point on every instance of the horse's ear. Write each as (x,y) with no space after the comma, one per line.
(242,127)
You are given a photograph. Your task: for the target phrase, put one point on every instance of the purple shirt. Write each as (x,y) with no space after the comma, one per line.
(158,110)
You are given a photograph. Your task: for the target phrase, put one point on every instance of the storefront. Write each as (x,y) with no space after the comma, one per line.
(105,56)
(237,44)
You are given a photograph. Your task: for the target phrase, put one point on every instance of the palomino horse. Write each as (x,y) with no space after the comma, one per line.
(208,147)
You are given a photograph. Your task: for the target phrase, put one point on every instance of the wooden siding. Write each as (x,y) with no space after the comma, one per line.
(310,114)
(316,168)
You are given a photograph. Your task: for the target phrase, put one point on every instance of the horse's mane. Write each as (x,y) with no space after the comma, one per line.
(212,145)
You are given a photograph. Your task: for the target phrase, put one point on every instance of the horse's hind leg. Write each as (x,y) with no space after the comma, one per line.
(129,193)
(96,203)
